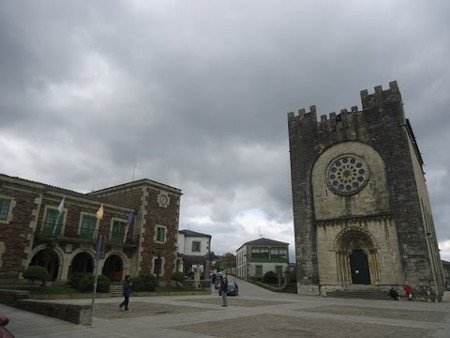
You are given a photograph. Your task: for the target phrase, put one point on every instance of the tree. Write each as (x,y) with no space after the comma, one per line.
(36,272)
(228,261)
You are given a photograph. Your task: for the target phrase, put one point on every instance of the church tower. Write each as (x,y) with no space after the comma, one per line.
(362,215)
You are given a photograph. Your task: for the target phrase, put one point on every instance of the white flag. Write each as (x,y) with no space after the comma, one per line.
(99,212)
(61,205)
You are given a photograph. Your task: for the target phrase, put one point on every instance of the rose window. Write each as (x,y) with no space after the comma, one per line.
(347,174)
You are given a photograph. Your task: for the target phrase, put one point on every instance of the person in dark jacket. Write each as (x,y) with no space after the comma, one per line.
(393,293)
(223,291)
(126,293)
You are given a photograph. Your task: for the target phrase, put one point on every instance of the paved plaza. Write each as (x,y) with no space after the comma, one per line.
(254,313)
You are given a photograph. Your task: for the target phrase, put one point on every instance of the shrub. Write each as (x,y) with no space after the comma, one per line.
(177,276)
(36,272)
(87,283)
(270,277)
(150,282)
(75,278)
(138,284)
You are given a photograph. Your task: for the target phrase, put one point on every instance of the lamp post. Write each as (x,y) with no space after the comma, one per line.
(100,254)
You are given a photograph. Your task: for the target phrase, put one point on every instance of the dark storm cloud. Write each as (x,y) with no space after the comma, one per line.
(195,94)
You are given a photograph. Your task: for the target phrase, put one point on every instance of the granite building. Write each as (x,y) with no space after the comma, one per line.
(362,214)
(140,225)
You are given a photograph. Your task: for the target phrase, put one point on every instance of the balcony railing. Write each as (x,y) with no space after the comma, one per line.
(86,233)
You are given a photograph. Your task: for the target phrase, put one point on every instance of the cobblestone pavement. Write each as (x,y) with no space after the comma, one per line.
(254,313)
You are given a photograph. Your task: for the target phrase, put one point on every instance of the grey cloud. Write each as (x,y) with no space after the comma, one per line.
(195,94)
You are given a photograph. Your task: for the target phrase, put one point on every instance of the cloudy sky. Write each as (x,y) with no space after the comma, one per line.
(195,94)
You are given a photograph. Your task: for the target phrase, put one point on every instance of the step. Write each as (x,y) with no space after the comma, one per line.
(361,294)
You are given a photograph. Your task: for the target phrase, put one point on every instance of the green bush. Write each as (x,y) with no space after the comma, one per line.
(177,276)
(87,283)
(138,284)
(36,272)
(75,278)
(270,277)
(150,282)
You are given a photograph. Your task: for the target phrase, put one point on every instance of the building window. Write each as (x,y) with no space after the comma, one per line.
(118,232)
(160,234)
(53,221)
(260,254)
(196,246)
(258,270)
(158,265)
(6,205)
(278,254)
(88,226)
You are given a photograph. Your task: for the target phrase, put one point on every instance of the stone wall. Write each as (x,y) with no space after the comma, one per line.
(382,127)
(78,314)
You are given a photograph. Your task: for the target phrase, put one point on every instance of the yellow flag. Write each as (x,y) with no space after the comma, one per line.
(99,212)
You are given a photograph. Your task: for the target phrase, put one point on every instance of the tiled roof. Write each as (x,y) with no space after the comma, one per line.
(264,241)
(190,233)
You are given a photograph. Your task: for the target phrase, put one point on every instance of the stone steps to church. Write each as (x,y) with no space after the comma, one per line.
(361,294)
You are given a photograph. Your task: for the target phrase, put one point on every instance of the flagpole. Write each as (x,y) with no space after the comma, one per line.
(60,211)
(94,291)
(100,244)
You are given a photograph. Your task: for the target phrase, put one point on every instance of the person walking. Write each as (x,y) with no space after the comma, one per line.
(224,290)
(126,289)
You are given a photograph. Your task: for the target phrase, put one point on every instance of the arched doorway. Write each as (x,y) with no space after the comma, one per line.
(359,266)
(356,257)
(81,263)
(48,259)
(113,268)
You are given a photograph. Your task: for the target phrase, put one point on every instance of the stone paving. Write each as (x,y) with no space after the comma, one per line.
(254,313)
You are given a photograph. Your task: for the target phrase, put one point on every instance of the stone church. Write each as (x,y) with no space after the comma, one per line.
(362,214)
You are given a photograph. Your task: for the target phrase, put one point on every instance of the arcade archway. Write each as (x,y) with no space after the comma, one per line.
(48,259)
(82,263)
(113,268)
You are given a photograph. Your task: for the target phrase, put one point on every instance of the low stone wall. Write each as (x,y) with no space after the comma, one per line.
(78,314)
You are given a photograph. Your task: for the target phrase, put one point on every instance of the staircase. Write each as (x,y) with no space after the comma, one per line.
(115,290)
(361,294)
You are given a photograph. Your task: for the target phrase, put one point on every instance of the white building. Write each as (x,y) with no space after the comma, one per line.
(194,251)
(255,258)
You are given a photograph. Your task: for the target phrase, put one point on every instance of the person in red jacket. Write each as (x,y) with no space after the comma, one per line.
(408,291)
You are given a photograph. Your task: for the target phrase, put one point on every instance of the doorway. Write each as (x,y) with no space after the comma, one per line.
(359,267)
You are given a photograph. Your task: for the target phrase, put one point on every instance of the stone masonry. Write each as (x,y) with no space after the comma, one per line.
(358,186)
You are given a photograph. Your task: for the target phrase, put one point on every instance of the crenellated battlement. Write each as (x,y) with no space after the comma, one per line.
(381,97)
(303,114)
(346,119)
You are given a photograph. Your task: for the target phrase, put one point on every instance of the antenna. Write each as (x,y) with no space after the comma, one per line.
(260,233)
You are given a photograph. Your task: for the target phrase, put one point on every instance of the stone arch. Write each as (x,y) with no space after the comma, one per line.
(50,258)
(110,266)
(349,241)
(82,261)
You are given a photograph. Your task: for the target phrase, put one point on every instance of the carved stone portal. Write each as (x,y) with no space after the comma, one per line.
(356,257)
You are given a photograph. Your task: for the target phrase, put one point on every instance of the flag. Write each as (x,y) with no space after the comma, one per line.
(130,217)
(99,212)
(61,205)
